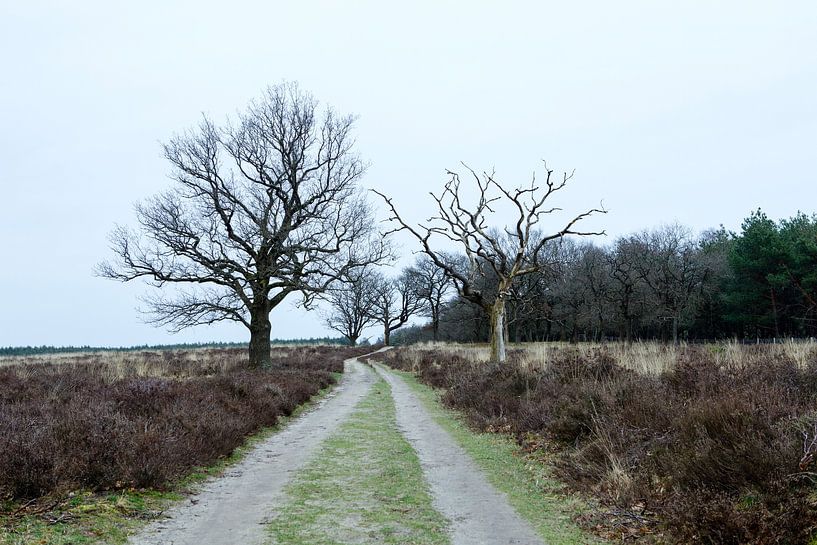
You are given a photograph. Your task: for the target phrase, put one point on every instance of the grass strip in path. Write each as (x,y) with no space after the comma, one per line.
(527,482)
(365,485)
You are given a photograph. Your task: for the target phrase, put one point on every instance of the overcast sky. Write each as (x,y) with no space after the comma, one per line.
(695,111)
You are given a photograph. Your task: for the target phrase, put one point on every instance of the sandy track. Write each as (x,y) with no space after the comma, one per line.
(479,514)
(232,509)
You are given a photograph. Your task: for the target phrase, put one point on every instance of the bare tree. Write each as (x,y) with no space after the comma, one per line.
(262,208)
(626,286)
(571,291)
(351,305)
(508,253)
(432,287)
(395,300)
(594,272)
(670,267)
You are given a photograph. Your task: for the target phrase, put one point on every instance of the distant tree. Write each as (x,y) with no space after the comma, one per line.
(572,294)
(670,267)
(756,294)
(463,321)
(395,301)
(263,208)
(799,268)
(593,272)
(351,305)
(528,307)
(410,334)
(710,318)
(773,286)
(432,288)
(508,253)
(627,290)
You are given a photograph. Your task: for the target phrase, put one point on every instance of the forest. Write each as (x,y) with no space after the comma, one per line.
(756,285)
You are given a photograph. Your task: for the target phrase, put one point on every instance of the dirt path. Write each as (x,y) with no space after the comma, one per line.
(239,507)
(479,514)
(234,508)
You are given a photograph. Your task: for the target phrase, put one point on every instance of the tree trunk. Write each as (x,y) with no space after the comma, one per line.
(260,329)
(386,335)
(498,331)
(435,328)
(774,313)
(549,325)
(675,330)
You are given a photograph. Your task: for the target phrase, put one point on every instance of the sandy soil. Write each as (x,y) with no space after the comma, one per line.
(233,508)
(479,514)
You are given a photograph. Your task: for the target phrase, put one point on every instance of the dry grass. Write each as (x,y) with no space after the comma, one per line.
(651,358)
(178,364)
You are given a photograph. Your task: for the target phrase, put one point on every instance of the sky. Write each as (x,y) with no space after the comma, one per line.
(697,112)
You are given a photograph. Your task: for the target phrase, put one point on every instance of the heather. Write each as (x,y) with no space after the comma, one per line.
(135,420)
(712,444)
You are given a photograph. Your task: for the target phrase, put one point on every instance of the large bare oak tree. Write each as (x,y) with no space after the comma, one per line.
(507,253)
(263,207)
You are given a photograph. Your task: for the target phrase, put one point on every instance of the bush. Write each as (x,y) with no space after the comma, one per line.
(712,449)
(70,425)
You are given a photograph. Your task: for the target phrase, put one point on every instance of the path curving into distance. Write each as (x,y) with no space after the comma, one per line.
(233,509)
(479,514)
(238,507)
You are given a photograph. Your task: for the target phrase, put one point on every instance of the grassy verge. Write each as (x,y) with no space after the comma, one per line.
(364,486)
(525,479)
(86,518)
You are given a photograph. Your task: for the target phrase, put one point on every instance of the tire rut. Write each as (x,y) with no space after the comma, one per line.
(479,514)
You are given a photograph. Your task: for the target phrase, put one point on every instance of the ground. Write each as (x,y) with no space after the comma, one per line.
(376,461)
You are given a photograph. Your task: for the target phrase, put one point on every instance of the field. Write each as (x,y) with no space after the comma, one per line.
(646,442)
(101,423)
(689,444)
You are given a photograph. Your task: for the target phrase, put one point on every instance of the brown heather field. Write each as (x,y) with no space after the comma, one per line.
(117,420)
(688,444)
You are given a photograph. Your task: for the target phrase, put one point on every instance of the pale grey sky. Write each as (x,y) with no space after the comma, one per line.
(696,111)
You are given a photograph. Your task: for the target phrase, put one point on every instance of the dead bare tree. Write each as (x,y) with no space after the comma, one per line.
(395,301)
(508,253)
(262,208)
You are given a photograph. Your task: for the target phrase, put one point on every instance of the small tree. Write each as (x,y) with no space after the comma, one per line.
(351,306)
(395,300)
(508,254)
(263,208)
(432,287)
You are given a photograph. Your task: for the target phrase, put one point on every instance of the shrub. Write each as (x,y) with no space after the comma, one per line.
(712,448)
(71,425)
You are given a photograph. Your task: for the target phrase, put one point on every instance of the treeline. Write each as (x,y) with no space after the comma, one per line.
(664,283)
(34,350)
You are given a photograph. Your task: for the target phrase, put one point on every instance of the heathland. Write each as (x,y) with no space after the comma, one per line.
(641,442)
(704,444)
